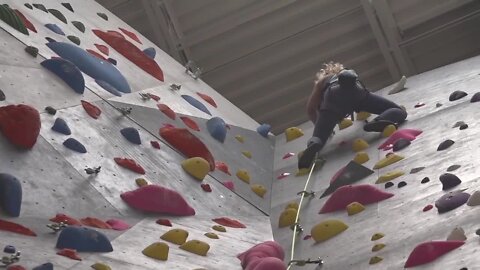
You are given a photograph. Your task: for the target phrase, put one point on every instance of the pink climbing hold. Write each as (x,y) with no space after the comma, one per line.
(427,208)
(130,164)
(28,24)
(167,111)
(103,49)
(167,125)
(230,185)
(221,166)
(228,222)
(115,34)
(190,123)
(155,144)
(430,251)
(130,35)
(208,99)
(345,195)
(287,155)
(268,255)
(69,253)
(164,222)
(157,199)
(91,109)
(95,222)
(337,174)
(408,134)
(283,175)
(118,224)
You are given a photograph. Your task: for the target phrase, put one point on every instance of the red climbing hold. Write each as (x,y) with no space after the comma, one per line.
(189,145)
(221,166)
(94,53)
(408,134)
(427,208)
(230,185)
(20,124)
(343,196)
(130,164)
(429,251)
(164,222)
(190,123)
(115,34)
(65,219)
(228,222)
(70,253)
(25,21)
(16,267)
(95,222)
(154,97)
(91,109)
(131,52)
(15,228)
(155,144)
(208,99)
(206,187)
(287,155)
(337,174)
(102,48)
(283,175)
(166,110)
(130,35)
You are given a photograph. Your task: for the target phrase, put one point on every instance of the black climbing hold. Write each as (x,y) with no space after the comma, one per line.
(377,126)
(28,5)
(103,16)
(45,266)
(113,61)
(83,240)
(352,173)
(132,135)
(463,268)
(49,39)
(416,170)
(477,232)
(457,95)
(388,184)
(445,144)
(61,126)
(75,145)
(10,17)
(2,95)
(58,15)
(425,180)
(458,123)
(41,7)
(401,144)
(50,110)
(79,26)
(68,6)
(475,97)
(33,51)
(401,184)
(9,249)
(438,105)
(449,180)
(451,201)
(464,126)
(74,39)
(453,168)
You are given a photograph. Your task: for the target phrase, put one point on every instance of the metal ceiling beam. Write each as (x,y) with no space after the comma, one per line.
(184,52)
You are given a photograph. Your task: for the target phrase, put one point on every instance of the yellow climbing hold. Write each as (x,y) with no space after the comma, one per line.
(196,246)
(197,167)
(240,138)
(141,182)
(211,235)
(244,176)
(345,123)
(293,205)
(362,116)
(157,251)
(355,208)
(293,133)
(219,228)
(248,154)
(175,236)
(389,176)
(377,236)
(378,247)
(287,217)
(388,130)
(392,158)
(100,266)
(359,145)
(302,172)
(259,190)
(375,259)
(327,229)
(361,157)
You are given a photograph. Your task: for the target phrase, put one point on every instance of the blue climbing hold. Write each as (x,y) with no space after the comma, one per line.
(197,104)
(9,249)
(75,145)
(67,71)
(45,266)
(10,194)
(91,65)
(83,240)
(150,52)
(217,128)
(55,28)
(264,129)
(109,88)
(113,61)
(131,134)
(61,126)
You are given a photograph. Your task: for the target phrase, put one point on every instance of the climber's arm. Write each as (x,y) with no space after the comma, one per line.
(315,99)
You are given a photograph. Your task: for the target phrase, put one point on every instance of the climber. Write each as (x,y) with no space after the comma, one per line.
(337,93)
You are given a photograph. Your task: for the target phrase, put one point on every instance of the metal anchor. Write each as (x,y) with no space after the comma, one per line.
(193,70)
(125,111)
(175,87)
(94,170)
(7,260)
(145,97)
(56,227)
(307,194)
(318,261)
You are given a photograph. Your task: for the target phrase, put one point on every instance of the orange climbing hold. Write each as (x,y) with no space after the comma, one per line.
(95,222)
(190,123)
(228,222)
(65,219)
(130,164)
(221,166)
(91,109)
(69,253)
(15,228)
(208,99)
(166,110)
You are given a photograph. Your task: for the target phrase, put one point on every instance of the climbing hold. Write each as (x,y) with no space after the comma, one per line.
(378,247)
(103,16)
(429,251)
(58,15)
(247,154)
(219,228)
(79,25)
(457,234)
(268,255)
(389,130)
(229,222)
(456,95)
(91,109)
(389,176)
(375,259)
(130,35)
(400,144)
(287,155)
(401,184)
(186,143)
(50,110)
(68,6)
(197,167)
(154,97)
(67,71)
(206,187)
(97,55)
(74,39)
(451,201)
(175,236)
(217,128)
(327,229)
(377,236)
(425,180)
(196,246)
(293,205)
(264,129)
(359,145)
(132,135)
(70,253)
(28,24)
(458,124)
(212,235)
(61,126)
(28,5)
(10,17)
(259,190)
(416,170)
(45,266)
(132,53)
(445,144)
(102,48)
(343,196)
(419,104)
(83,239)
(240,138)
(167,111)
(155,144)
(293,133)
(244,176)
(10,194)
(449,181)
(2,95)
(91,65)
(100,266)
(361,157)
(157,251)
(438,105)
(55,28)
(453,168)
(164,222)
(474,199)
(287,217)
(409,134)
(130,164)
(65,219)
(362,116)
(221,166)
(157,199)
(475,97)
(95,222)
(347,175)
(49,39)
(118,225)
(41,7)
(208,99)
(399,86)
(229,184)
(355,208)
(109,88)
(283,175)
(197,104)
(20,124)
(464,126)
(190,123)
(141,182)
(75,145)
(387,161)
(427,208)
(345,123)
(388,184)
(150,52)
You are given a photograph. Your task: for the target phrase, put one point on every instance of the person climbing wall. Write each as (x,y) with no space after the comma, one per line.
(337,93)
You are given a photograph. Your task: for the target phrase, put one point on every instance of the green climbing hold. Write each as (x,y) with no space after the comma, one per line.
(10,17)
(74,39)
(33,51)
(58,15)
(103,16)
(28,6)
(41,7)
(79,25)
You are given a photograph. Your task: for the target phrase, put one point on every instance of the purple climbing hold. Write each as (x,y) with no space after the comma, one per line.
(150,52)
(75,145)
(61,126)
(451,201)
(109,88)
(400,144)
(113,61)
(445,144)
(45,266)
(83,240)
(264,129)
(67,71)
(55,28)
(132,135)
(195,103)
(456,95)
(425,180)
(10,194)
(9,249)
(449,180)
(217,128)
(475,97)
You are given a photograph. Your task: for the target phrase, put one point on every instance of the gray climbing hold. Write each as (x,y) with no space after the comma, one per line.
(464,126)
(425,180)
(388,184)
(474,200)
(445,144)
(59,15)
(68,6)
(74,39)
(103,16)
(400,144)
(41,7)
(400,86)
(401,184)
(50,110)
(28,6)
(456,95)
(2,95)
(33,51)
(475,97)
(416,170)
(449,180)
(453,168)
(438,105)
(458,123)
(451,201)
(457,234)
(79,25)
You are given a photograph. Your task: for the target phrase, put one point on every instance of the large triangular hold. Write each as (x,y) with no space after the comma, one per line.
(11,18)
(430,251)
(352,173)
(409,134)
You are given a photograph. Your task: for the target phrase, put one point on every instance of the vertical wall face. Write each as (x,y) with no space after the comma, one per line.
(53,177)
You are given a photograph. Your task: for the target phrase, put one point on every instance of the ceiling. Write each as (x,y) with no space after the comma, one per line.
(263,55)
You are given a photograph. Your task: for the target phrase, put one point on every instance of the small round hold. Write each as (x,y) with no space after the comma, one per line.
(388,184)
(401,184)
(464,126)
(9,249)
(425,180)
(50,110)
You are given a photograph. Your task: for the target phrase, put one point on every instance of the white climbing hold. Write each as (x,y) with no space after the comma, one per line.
(400,86)
(457,234)
(474,199)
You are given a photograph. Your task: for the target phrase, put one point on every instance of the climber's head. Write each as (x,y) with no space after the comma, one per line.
(330,68)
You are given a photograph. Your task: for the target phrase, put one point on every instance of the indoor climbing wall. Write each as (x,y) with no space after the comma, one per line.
(388,201)
(112,154)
